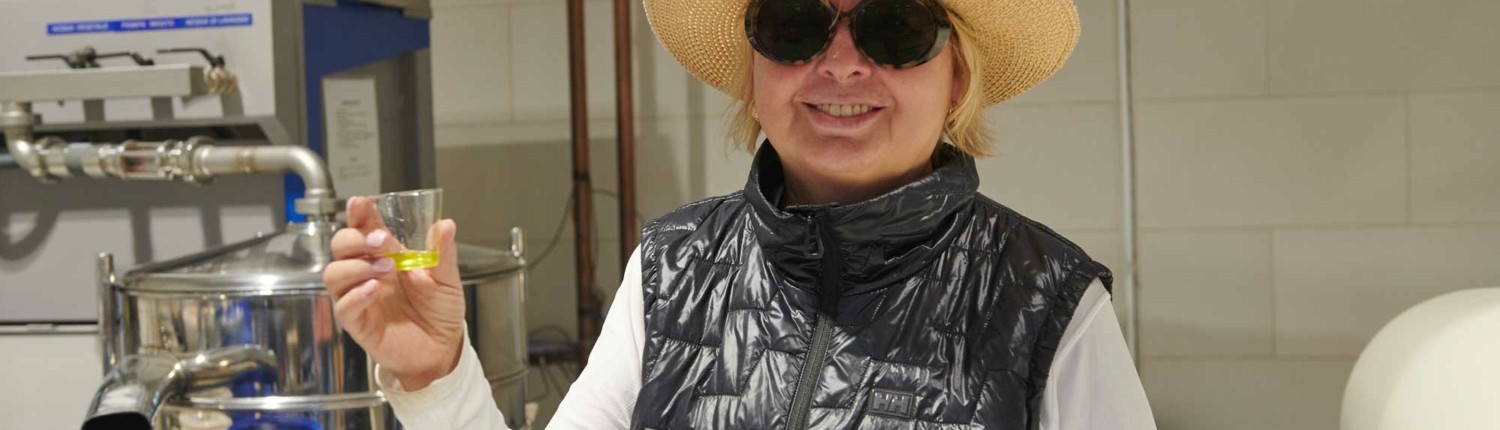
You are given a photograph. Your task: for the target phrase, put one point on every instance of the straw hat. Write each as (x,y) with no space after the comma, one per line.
(1023,41)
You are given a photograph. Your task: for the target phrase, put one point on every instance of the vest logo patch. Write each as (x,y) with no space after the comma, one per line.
(892,403)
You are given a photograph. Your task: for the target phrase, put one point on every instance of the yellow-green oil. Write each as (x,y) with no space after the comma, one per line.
(409,260)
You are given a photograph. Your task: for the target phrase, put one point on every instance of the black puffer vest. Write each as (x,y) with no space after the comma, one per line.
(930,307)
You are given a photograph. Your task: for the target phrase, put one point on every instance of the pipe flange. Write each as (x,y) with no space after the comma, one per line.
(19,118)
(188,157)
(168,157)
(316,206)
(42,148)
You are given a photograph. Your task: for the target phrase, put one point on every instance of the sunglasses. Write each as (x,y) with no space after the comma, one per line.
(894,34)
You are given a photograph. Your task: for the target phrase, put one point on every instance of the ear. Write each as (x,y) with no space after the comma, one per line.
(960,77)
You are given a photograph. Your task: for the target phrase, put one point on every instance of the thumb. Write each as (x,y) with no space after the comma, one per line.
(441,236)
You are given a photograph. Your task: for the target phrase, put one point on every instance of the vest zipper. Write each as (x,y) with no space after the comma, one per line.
(828,293)
(811,370)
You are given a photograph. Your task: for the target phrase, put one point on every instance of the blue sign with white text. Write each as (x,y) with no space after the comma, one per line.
(150,24)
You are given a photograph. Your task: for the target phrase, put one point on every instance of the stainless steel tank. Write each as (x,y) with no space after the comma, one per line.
(243,337)
(495,291)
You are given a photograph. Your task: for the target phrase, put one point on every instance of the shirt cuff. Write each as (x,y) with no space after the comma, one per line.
(437,402)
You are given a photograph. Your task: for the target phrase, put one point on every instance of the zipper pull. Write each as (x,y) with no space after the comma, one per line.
(814,240)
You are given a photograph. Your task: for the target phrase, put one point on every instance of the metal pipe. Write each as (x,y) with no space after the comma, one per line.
(1129,279)
(319,200)
(303,162)
(625,125)
(135,390)
(196,160)
(108,326)
(589,317)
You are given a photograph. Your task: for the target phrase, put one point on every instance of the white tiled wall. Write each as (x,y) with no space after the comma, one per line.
(1454,155)
(1198,48)
(1265,162)
(1245,394)
(1324,46)
(1306,169)
(1206,293)
(471,71)
(1336,287)
(1071,150)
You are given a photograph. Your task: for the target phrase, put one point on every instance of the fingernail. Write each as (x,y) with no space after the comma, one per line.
(369,287)
(384,265)
(375,238)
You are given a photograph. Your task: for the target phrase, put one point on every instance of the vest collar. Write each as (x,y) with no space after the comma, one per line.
(881,241)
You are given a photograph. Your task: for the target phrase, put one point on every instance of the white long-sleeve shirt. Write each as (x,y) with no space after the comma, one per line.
(1093,385)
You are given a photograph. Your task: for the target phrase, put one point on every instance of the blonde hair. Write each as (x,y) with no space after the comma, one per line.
(964,126)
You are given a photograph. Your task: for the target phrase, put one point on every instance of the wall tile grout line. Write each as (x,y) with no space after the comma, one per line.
(1267,45)
(1333,227)
(1271,262)
(1257,358)
(1410,205)
(1058,104)
(513,121)
(1091,230)
(1271,97)
(473,4)
(1454,90)
(459,6)
(510,60)
(1307,95)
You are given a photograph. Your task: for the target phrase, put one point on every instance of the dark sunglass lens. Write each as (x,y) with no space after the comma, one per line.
(895,32)
(792,30)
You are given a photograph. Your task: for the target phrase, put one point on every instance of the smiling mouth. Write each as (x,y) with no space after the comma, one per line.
(844,111)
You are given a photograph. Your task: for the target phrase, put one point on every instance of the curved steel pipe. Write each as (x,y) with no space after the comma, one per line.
(319,200)
(16,119)
(212,161)
(135,390)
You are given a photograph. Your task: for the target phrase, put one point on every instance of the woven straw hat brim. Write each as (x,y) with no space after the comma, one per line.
(1023,42)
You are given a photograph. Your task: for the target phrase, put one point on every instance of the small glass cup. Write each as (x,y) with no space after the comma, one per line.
(409,215)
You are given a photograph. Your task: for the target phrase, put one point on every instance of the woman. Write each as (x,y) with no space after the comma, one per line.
(858,281)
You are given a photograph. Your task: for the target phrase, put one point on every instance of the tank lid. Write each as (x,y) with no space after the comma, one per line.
(476,262)
(290,261)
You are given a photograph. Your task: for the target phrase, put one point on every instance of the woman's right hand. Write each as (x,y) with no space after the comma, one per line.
(411,322)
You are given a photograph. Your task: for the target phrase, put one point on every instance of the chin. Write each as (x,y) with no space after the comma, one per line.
(838,158)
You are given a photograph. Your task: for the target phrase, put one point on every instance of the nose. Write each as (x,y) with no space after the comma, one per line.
(842,62)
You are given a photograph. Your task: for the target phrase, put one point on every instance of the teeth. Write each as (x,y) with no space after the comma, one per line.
(844,110)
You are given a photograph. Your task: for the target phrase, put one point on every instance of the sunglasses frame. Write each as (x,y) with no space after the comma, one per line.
(939,14)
